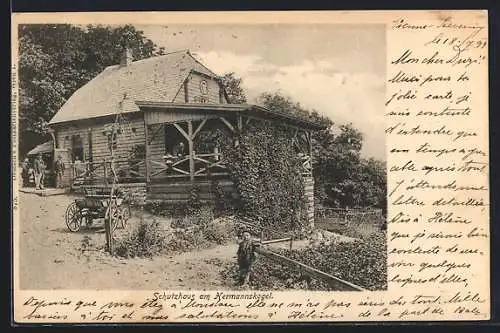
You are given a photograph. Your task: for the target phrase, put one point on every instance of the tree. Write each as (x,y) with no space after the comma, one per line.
(57,59)
(235,92)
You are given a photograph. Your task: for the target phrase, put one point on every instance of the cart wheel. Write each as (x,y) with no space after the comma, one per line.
(73,217)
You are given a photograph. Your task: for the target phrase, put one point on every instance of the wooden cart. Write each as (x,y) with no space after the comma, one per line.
(98,204)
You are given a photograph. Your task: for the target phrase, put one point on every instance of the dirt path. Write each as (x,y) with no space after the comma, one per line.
(51,257)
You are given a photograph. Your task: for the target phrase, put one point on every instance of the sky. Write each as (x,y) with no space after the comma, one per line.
(338,70)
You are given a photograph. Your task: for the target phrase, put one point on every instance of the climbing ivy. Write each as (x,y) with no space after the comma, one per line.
(266,172)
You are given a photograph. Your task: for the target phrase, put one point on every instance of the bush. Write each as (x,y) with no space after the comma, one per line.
(193,204)
(184,240)
(362,262)
(192,232)
(205,234)
(222,201)
(146,240)
(162,208)
(220,233)
(200,216)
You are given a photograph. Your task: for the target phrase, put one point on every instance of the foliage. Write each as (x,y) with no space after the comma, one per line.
(342,177)
(193,206)
(57,59)
(200,234)
(234,91)
(267,175)
(223,202)
(203,215)
(146,240)
(362,262)
(166,209)
(192,232)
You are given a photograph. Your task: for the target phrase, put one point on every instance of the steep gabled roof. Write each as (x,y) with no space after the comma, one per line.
(156,79)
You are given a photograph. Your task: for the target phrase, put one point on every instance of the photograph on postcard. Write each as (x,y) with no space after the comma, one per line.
(245,167)
(222,157)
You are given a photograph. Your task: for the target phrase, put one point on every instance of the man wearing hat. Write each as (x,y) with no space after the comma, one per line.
(39,172)
(60,167)
(25,173)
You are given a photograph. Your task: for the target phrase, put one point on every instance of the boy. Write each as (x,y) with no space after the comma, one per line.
(246,257)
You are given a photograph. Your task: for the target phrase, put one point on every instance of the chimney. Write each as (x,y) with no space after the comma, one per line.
(127,57)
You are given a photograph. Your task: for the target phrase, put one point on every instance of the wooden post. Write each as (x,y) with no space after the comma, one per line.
(191,150)
(186,91)
(109,234)
(105,171)
(147,153)
(239,122)
(310,151)
(91,155)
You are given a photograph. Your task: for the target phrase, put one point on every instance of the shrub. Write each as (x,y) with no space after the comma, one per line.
(222,201)
(193,206)
(205,234)
(170,209)
(191,232)
(184,240)
(220,233)
(200,216)
(146,240)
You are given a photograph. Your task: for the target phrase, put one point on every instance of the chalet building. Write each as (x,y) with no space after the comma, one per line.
(156,114)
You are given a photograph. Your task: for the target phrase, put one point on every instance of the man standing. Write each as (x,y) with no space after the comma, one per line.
(39,172)
(26,172)
(60,167)
(246,258)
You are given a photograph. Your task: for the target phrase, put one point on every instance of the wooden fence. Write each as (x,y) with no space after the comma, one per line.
(127,171)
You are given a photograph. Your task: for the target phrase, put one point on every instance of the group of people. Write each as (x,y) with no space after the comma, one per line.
(35,172)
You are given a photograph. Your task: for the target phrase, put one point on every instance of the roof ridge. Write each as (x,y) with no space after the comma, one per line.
(201,64)
(151,58)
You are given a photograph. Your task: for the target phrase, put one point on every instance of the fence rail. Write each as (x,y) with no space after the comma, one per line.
(127,170)
(332,281)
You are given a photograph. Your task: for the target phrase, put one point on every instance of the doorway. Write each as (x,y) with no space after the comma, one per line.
(76,148)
